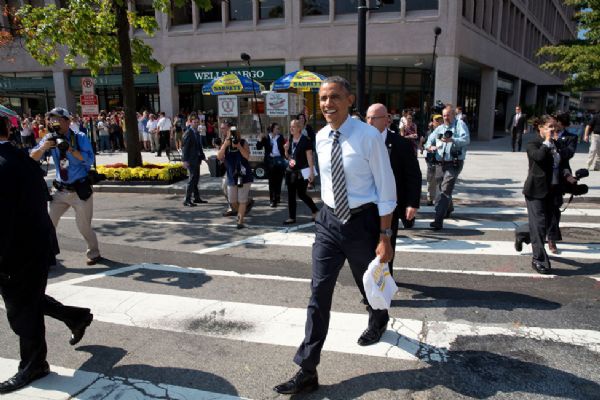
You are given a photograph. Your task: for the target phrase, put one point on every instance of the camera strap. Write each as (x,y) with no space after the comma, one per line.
(567,205)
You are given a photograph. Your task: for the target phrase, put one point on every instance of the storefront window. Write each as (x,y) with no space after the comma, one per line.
(417,5)
(144,8)
(346,7)
(212,15)
(240,10)
(270,9)
(315,7)
(389,6)
(181,15)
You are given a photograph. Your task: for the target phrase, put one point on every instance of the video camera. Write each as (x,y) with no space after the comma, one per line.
(575,188)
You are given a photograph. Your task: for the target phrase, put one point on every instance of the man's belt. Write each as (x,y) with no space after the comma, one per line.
(60,186)
(358,209)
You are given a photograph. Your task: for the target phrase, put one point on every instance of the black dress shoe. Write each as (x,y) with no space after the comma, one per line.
(93,261)
(303,381)
(540,268)
(518,244)
(229,213)
(188,204)
(289,221)
(272,204)
(79,330)
(371,336)
(200,201)
(435,226)
(24,378)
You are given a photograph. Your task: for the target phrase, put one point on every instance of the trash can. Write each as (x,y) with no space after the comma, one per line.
(215,167)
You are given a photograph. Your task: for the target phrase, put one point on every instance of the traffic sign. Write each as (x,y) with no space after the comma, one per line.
(87,85)
(89,105)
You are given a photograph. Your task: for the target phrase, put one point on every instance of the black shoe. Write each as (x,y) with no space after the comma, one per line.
(229,213)
(303,381)
(22,378)
(200,201)
(371,336)
(435,226)
(188,204)
(518,244)
(540,268)
(79,330)
(289,221)
(93,261)
(272,204)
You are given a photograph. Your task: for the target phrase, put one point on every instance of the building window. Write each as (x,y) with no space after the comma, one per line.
(270,9)
(212,15)
(144,8)
(240,10)
(389,6)
(418,5)
(346,7)
(181,15)
(315,7)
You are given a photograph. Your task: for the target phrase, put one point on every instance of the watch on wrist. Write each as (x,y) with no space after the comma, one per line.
(387,232)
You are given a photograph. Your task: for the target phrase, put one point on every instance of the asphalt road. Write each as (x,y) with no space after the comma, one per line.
(188,306)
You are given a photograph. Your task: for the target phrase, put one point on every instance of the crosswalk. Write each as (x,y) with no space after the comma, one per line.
(271,308)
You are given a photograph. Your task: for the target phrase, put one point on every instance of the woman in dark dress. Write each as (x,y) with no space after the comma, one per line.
(298,151)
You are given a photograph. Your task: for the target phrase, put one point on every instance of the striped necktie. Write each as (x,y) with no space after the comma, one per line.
(338,180)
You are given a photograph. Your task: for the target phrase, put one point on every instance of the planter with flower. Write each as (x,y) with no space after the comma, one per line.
(156,174)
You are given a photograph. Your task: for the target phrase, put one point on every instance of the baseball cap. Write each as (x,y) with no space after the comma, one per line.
(59,112)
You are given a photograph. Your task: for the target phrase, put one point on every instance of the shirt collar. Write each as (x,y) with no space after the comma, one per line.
(345,128)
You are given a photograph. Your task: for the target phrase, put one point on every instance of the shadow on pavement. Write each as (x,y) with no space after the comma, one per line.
(432,296)
(484,367)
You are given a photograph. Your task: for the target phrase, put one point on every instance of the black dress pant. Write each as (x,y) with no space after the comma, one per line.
(517,138)
(398,215)
(335,243)
(163,143)
(541,214)
(26,304)
(276,173)
(192,185)
(297,186)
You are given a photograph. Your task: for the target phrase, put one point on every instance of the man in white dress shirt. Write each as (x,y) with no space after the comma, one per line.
(359,192)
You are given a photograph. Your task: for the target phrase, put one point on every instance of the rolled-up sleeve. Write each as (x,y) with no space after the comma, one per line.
(379,161)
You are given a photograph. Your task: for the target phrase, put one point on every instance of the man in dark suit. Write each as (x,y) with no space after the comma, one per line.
(192,156)
(517,127)
(405,166)
(273,144)
(26,226)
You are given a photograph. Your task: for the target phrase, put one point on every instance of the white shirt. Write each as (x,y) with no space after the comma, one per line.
(367,169)
(274,148)
(151,125)
(164,124)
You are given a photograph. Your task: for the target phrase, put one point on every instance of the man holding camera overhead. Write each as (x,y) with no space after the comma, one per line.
(235,151)
(73,157)
(449,143)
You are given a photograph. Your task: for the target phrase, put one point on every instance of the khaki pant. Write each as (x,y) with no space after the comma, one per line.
(84,211)
(594,154)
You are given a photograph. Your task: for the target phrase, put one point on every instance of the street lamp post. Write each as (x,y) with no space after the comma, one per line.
(246,57)
(361,58)
(437,31)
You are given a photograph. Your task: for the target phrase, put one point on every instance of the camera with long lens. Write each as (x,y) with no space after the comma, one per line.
(232,136)
(576,189)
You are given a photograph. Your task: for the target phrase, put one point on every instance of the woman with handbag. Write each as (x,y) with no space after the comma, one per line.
(300,171)
(275,162)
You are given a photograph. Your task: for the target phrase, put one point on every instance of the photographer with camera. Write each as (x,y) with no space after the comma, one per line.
(235,152)
(436,120)
(449,143)
(73,157)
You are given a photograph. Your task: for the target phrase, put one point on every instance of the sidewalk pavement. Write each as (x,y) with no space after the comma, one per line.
(492,173)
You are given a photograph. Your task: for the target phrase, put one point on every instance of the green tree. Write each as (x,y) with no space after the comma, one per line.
(580,58)
(94,34)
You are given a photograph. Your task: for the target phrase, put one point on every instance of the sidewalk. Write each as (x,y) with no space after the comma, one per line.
(492,172)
